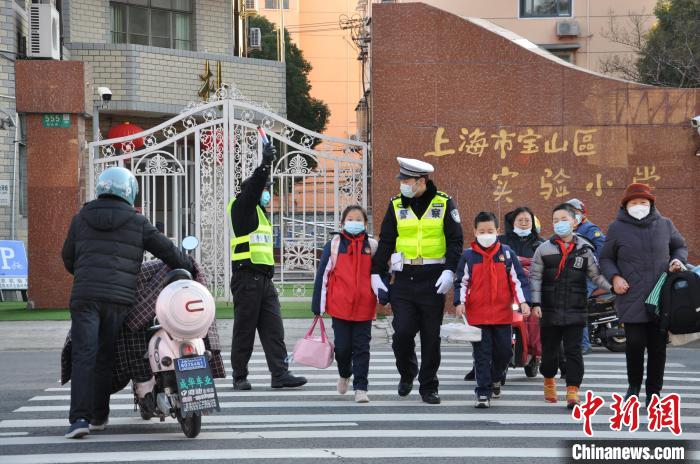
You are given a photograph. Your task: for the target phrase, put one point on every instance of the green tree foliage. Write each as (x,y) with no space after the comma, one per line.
(667,53)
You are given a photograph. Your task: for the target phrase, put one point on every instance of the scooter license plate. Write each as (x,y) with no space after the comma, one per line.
(196,387)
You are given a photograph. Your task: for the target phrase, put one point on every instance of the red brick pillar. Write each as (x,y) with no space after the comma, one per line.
(55,96)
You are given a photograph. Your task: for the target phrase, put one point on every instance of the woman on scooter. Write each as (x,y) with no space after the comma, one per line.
(343,290)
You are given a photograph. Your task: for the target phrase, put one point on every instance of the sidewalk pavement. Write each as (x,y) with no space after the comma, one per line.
(50,335)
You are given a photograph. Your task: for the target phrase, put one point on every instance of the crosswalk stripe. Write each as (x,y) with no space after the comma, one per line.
(349,403)
(469,415)
(297,453)
(341,434)
(303,392)
(513,383)
(466,365)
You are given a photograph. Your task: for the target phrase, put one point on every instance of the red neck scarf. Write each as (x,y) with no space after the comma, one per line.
(566,249)
(489,263)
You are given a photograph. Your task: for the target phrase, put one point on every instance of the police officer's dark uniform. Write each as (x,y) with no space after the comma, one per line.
(426,231)
(256,305)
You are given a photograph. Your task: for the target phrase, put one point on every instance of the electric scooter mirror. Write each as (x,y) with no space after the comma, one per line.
(190,243)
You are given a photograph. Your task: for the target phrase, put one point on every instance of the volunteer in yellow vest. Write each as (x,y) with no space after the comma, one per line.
(421,237)
(255,301)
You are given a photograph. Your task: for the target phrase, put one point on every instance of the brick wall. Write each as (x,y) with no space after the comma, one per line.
(88,21)
(161,80)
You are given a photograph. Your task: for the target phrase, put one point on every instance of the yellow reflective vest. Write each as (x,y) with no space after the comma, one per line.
(421,237)
(260,249)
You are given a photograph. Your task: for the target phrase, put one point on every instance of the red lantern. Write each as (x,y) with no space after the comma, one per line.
(123,130)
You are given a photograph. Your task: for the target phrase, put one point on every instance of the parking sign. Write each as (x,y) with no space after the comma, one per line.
(13,265)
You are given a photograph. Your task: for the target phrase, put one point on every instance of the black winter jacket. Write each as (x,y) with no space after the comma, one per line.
(564,300)
(104,251)
(640,251)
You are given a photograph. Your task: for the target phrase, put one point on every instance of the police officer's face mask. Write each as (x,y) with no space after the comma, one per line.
(409,190)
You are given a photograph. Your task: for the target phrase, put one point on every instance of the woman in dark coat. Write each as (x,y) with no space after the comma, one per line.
(521,232)
(640,246)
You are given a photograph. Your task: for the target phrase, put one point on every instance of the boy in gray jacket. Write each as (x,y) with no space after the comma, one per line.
(558,277)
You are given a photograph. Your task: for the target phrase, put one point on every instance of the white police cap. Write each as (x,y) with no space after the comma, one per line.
(410,168)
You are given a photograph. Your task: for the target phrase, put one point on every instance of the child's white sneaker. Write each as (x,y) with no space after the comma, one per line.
(343,385)
(361,396)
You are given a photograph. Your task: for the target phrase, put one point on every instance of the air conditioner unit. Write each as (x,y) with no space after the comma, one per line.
(567,28)
(254,38)
(44,36)
(251,5)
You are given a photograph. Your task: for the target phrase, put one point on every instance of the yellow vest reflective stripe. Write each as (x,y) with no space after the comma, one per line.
(260,248)
(424,237)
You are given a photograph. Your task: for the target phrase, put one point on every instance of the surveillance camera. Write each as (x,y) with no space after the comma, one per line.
(105,93)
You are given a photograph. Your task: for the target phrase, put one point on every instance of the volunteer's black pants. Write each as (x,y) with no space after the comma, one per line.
(351,339)
(640,337)
(417,308)
(94,330)
(256,306)
(552,338)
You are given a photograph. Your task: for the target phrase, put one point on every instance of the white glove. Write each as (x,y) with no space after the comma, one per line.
(445,282)
(377,284)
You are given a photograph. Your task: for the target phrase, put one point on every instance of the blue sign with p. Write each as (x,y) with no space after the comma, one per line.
(14,268)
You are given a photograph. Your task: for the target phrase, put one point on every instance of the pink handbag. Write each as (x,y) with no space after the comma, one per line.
(314,351)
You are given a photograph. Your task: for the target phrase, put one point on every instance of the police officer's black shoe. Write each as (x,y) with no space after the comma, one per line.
(241,384)
(405,387)
(288,381)
(633,390)
(431,398)
(470,375)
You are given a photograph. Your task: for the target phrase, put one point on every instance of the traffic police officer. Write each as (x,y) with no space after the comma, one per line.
(255,301)
(422,235)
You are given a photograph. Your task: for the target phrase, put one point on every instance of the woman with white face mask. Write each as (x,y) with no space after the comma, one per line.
(640,246)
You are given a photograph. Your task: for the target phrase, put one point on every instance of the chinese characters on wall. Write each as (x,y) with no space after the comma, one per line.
(554,182)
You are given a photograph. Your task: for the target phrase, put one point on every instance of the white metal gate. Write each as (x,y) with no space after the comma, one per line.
(189,167)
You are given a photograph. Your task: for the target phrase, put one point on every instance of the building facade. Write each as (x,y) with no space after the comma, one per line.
(156,57)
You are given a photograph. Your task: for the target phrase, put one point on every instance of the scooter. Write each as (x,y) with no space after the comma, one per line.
(183,382)
(604,327)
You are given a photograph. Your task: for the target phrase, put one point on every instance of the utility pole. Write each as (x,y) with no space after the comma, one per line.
(280,4)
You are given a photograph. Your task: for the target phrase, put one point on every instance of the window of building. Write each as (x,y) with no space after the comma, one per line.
(545,8)
(566,55)
(158,23)
(275,4)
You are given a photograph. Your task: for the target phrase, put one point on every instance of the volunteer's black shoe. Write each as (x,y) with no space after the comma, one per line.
(496,390)
(470,375)
(98,425)
(288,381)
(405,387)
(633,390)
(649,396)
(431,398)
(241,384)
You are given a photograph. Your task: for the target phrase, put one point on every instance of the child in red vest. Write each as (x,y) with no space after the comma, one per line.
(489,280)
(343,290)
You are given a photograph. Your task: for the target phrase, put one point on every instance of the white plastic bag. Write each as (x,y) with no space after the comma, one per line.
(460,331)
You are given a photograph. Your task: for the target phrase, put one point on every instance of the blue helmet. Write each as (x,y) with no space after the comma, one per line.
(119,182)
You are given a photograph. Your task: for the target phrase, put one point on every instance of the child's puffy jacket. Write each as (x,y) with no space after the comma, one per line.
(488,282)
(342,287)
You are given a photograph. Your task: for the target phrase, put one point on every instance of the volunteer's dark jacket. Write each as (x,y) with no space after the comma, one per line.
(564,299)
(389,234)
(640,251)
(244,216)
(523,247)
(104,251)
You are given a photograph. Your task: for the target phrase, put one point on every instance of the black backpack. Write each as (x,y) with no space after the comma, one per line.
(680,303)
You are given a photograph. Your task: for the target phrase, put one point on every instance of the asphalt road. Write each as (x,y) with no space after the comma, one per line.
(315,424)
